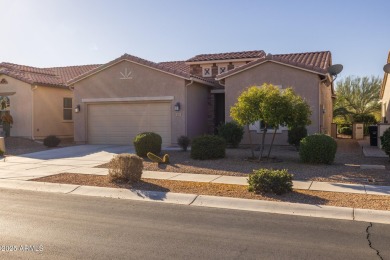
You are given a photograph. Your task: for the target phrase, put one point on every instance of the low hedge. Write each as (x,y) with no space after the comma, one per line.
(268,180)
(208,147)
(232,133)
(147,142)
(318,148)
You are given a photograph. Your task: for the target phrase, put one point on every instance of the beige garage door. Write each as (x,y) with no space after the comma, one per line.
(120,123)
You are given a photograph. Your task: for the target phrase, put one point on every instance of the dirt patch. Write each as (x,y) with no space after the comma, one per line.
(345,169)
(225,190)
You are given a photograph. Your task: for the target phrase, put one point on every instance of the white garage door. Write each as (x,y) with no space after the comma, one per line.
(120,123)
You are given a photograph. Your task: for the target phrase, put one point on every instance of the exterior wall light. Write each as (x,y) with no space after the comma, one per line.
(177,106)
(77,109)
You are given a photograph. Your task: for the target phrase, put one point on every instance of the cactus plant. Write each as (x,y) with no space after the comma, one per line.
(154,158)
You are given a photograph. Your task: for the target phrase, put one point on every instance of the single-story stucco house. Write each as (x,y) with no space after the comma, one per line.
(38,99)
(111,103)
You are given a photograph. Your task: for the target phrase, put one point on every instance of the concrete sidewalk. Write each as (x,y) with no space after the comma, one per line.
(298,209)
(26,171)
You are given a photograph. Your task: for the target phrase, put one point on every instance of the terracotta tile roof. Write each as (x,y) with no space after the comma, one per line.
(55,77)
(176,65)
(169,69)
(228,56)
(316,62)
(177,68)
(70,72)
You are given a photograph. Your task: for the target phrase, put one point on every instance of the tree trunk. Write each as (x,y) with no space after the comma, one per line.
(262,142)
(272,142)
(250,142)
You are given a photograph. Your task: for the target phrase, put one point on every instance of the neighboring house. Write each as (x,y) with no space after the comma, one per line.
(126,96)
(38,99)
(385,96)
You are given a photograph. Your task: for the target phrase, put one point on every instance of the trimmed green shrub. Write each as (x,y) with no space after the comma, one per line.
(296,134)
(269,180)
(385,141)
(51,141)
(346,130)
(184,142)
(125,167)
(208,147)
(1,153)
(147,142)
(318,148)
(232,133)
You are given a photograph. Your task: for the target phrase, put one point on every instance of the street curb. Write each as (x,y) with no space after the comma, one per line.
(298,209)
(285,208)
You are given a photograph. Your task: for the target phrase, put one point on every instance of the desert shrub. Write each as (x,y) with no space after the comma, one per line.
(385,141)
(346,130)
(184,142)
(232,133)
(125,167)
(268,180)
(208,147)
(147,142)
(51,141)
(318,148)
(296,134)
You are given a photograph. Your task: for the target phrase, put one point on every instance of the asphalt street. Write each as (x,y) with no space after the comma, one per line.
(37,225)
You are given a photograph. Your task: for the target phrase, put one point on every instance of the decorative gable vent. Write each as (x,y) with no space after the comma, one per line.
(3,81)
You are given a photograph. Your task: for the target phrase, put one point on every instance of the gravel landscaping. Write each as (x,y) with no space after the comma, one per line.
(19,145)
(345,169)
(237,191)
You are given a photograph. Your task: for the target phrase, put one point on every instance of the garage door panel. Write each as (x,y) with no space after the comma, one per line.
(120,123)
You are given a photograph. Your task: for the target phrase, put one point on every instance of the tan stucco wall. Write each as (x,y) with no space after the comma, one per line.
(305,84)
(197,113)
(48,113)
(327,103)
(386,101)
(20,105)
(145,82)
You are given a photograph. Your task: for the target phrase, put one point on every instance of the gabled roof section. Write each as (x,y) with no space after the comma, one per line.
(176,68)
(54,77)
(315,62)
(228,56)
(385,77)
(127,57)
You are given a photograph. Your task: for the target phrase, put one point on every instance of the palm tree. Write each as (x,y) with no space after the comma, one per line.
(357,96)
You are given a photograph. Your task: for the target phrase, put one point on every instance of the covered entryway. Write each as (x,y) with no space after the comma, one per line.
(110,123)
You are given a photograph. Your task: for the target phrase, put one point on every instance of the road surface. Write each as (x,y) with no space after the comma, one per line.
(36,225)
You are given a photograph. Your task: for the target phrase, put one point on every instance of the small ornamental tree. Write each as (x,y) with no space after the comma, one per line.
(273,107)
(246,110)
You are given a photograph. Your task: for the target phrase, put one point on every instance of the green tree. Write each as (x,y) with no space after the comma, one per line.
(273,107)
(246,110)
(356,97)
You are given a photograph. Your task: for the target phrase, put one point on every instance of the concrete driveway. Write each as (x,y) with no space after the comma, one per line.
(72,159)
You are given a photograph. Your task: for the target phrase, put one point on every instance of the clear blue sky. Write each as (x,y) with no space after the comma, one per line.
(47,33)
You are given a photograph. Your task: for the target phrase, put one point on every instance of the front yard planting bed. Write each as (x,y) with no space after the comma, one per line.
(345,169)
(225,190)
